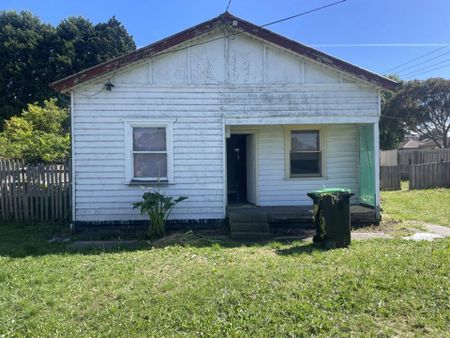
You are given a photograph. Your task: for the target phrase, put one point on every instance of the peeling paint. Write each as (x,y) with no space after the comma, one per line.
(164,46)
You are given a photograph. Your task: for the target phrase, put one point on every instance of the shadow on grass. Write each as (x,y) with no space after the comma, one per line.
(297,250)
(23,240)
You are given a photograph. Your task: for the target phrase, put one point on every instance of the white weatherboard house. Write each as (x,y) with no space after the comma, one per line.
(224,112)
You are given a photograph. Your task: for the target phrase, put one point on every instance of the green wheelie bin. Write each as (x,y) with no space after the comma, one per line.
(332,216)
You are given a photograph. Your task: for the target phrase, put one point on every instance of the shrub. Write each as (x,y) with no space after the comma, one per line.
(158,208)
(39,134)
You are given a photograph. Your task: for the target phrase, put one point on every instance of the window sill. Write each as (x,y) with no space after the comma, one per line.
(305,178)
(150,182)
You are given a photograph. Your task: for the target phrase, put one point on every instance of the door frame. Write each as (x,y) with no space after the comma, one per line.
(229,130)
(250,169)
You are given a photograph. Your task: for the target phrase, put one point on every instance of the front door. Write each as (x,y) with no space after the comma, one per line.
(241,169)
(236,169)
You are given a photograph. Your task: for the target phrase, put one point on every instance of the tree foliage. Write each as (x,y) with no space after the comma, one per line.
(39,134)
(81,45)
(25,50)
(422,107)
(34,54)
(392,132)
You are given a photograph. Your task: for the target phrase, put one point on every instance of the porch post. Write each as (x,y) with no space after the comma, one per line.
(376,161)
(225,133)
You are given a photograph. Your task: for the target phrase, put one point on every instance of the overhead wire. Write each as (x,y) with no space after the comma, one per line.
(378,45)
(240,32)
(429,70)
(421,63)
(415,59)
(228,6)
(425,68)
(303,13)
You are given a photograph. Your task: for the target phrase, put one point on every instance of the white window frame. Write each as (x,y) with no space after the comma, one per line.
(288,148)
(129,153)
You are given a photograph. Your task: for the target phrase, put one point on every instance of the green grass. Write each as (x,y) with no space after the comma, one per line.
(373,288)
(429,205)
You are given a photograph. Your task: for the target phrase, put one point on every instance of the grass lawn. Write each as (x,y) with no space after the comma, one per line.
(429,205)
(374,288)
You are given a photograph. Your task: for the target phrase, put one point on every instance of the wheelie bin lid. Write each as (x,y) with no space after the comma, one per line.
(329,191)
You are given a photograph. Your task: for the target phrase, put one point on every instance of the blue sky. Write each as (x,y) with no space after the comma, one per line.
(406,29)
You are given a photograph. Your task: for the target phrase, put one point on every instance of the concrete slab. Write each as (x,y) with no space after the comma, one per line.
(423,236)
(369,235)
(437,229)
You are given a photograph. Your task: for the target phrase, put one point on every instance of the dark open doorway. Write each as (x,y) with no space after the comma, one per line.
(236,169)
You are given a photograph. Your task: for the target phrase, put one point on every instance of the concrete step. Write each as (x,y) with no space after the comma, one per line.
(251,236)
(242,217)
(249,226)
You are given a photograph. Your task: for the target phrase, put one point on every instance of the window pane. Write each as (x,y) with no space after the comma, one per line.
(305,163)
(307,140)
(150,165)
(150,139)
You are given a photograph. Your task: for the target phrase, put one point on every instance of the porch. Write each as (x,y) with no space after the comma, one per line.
(247,221)
(263,169)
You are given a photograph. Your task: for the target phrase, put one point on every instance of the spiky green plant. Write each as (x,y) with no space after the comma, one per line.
(158,208)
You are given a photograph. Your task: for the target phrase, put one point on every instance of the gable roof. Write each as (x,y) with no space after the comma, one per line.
(207,26)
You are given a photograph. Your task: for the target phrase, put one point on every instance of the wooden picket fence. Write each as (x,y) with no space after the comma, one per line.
(390,177)
(430,175)
(410,157)
(34,193)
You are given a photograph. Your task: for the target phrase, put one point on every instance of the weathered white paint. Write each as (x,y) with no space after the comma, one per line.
(251,169)
(203,90)
(340,150)
(240,59)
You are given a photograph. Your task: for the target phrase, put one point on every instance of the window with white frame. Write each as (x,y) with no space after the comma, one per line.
(305,156)
(150,152)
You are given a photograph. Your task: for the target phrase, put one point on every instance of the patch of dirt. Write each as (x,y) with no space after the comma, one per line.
(181,238)
(389,227)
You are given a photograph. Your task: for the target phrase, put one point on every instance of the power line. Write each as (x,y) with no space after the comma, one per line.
(395,44)
(261,26)
(402,118)
(228,6)
(421,63)
(304,13)
(430,70)
(417,58)
(227,36)
(425,68)
(396,117)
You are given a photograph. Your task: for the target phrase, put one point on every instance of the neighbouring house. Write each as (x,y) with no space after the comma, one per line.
(224,112)
(414,142)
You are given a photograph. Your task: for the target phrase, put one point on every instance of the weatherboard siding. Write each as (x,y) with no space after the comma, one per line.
(202,89)
(340,150)
(101,190)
